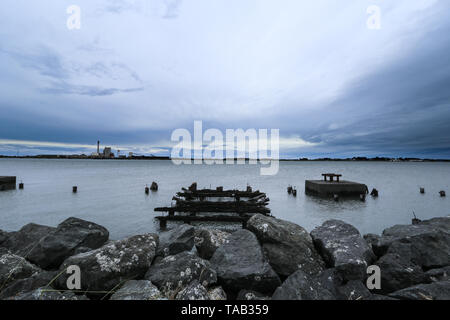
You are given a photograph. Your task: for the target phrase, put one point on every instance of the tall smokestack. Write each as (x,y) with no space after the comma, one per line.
(98,147)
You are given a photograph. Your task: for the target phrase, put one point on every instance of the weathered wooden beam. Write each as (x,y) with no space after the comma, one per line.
(209,193)
(209,206)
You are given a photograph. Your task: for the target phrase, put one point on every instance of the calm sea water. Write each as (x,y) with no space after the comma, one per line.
(111,193)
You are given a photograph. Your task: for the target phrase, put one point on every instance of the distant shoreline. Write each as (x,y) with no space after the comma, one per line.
(355,159)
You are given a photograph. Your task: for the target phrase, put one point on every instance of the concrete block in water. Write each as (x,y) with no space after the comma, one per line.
(7,183)
(331,188)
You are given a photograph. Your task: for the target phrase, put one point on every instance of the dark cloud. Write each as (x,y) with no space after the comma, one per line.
(402,108)
(93,91)
(45,61)
(256,71)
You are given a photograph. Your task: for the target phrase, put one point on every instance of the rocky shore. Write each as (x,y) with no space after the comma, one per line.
(270,259)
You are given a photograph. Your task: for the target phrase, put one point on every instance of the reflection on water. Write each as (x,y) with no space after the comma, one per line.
(111,193)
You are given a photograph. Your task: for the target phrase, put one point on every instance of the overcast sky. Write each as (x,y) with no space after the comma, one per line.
(137,70)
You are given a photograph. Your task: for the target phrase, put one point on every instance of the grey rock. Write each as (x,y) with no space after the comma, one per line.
(207,241)
(194,291)
(48,294)
(173,273)
(442,223)
(288,246)
(433,291)
(249,295)
(118,261)
(137,290)
(240,263)
(342,247)
(3,236)
(353,290)
(440,274)
(429,241)
(22,241)
(4,251)
(330,280)
(14,267)
(301,286)
(176,240)
(397,269)
(217,294)
(70,237)
(21,286)
(371,239)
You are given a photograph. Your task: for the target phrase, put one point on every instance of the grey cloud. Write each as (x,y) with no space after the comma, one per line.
(93,91)
(45,61)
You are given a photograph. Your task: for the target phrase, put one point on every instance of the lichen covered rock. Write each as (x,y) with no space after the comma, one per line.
(104,268)
(240,263)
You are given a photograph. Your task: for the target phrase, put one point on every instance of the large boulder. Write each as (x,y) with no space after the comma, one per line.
(194,291)
(71,237)
(302,286)
(22,241)
(207,241)
(3,236)
(343,248)
(398,270)
(176,240)
(13,267)
(174,273)
(118,261)
(137,290)
(288,246)
(4,251)
(440,274)
(38,280)
(433,291)
(240,264)
(429,242)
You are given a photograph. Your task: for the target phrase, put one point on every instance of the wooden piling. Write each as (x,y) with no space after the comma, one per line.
(147,190)
(422,190)
(154,186)
(162,224)
(374,193)
(442,193)
(21,186)
(74,189)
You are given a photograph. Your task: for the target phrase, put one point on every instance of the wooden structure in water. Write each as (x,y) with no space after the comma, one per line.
(7,183)
(196,205)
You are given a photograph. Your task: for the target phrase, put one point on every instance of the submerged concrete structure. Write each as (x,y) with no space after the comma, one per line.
(331,188)
(7,183)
